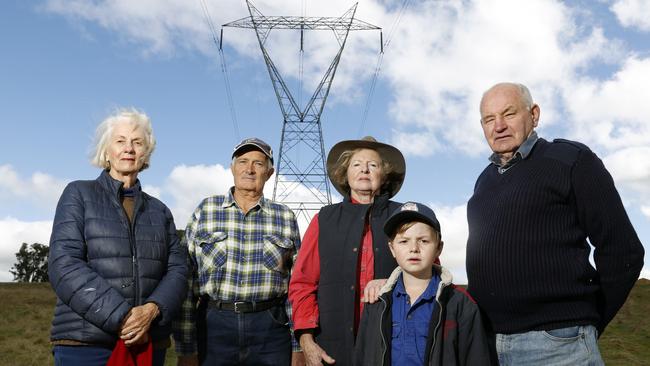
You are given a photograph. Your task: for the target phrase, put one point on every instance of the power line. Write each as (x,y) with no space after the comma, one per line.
(224,70)
(380,58)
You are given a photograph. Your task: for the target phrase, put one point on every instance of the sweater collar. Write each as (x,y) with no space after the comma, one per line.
(522,152)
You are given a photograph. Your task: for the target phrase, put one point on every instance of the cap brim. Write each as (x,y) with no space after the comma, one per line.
(251,146)
(400,217)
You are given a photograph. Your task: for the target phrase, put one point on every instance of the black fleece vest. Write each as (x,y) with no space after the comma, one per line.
(339,243)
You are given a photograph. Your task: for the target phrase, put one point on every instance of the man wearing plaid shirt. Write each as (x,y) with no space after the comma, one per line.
(241,248)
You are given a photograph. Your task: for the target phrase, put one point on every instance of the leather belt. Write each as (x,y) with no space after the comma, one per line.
(246,306)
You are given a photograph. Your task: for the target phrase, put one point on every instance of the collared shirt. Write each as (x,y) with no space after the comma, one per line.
(236,257)
(411,323)
(522,153)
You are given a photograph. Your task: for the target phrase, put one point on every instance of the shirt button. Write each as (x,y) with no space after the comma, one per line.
(409,317)
(354,249)
(352,288)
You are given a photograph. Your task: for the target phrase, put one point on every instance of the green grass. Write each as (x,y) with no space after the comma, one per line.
(26,314)
(626,340)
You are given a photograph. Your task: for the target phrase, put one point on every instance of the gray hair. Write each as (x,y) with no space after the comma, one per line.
(269,164)
(523,92)
(104,131)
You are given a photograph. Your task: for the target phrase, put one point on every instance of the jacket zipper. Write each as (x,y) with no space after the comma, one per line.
(134,251)
(435,331)
(381,330)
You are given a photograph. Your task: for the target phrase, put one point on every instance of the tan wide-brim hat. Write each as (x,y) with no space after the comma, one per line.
(387,153)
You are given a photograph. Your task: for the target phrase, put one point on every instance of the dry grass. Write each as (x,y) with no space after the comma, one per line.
(26,314)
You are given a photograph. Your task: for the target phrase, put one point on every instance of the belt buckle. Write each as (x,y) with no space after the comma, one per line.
(237,304)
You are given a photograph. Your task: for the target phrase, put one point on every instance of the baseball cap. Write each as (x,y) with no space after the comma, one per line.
(253,143)
(411,211)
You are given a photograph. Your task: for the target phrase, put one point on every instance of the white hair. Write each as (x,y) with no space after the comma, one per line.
(523,92)
(105,130)
(269,164)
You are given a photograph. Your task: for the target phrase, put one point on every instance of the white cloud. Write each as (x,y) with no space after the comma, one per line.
(40,189)
(645,209)
(13,233)
(619,164)
(152,190)
(438,76)
(165,27)
(645,273)
(612,114)
(188,185)
(453,224)
(633,13)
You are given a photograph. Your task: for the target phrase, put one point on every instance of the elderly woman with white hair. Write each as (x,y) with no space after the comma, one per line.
(115,261)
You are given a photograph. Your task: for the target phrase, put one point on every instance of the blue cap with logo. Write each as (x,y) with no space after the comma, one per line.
(408,212)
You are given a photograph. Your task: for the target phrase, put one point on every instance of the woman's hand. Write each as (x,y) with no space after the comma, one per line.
(371,292)
(135,327)
(314,355)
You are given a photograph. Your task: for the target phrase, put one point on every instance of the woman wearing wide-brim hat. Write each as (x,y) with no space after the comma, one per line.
(345,249)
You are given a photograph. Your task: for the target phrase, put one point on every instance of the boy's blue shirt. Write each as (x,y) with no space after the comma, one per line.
(411,323)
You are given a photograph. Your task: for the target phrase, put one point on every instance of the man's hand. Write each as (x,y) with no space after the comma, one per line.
(298,359)
(136,323)
(314,355)
(371,292)
(190,360)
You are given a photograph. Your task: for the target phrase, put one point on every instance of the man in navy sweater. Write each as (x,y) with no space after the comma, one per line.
(534,211)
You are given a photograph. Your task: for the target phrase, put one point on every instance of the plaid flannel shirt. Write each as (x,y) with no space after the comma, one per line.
(236,257)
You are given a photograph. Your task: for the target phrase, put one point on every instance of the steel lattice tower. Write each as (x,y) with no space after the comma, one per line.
(301,158)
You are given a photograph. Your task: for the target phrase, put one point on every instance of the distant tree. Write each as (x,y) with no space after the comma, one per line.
(31,263)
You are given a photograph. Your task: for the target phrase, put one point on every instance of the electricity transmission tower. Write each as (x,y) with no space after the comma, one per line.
(301,161)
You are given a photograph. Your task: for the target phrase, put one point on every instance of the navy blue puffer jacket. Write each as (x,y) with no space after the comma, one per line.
(100,265)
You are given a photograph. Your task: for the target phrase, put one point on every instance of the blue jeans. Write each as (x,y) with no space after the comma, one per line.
(93,356)
(565,346)
(261,338)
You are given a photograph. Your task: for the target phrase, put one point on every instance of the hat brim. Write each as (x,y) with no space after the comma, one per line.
(401,217)
(387,153)
(251,146)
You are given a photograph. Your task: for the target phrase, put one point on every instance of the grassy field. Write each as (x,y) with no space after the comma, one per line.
(26,313)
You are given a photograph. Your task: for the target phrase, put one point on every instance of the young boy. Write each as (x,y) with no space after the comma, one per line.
(421,318)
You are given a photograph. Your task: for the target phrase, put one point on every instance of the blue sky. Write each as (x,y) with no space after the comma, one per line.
(66,65)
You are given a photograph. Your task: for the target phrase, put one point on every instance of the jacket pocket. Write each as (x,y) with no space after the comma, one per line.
(278,253)
(213,249)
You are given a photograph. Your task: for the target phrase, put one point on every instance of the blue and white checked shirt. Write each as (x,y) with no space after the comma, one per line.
(236,257)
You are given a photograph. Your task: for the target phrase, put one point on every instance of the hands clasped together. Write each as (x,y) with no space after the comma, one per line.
(136,323)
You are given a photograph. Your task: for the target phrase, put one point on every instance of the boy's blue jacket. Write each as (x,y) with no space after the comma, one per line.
(456,333)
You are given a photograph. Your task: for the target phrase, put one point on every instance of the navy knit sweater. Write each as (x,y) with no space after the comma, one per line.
(527,253)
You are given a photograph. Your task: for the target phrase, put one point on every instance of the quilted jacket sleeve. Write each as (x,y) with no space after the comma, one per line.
(74,282)
(171,291)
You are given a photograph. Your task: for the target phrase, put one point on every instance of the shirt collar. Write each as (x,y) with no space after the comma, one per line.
(229,201)
(522,152)
(428,294)
(399,286)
